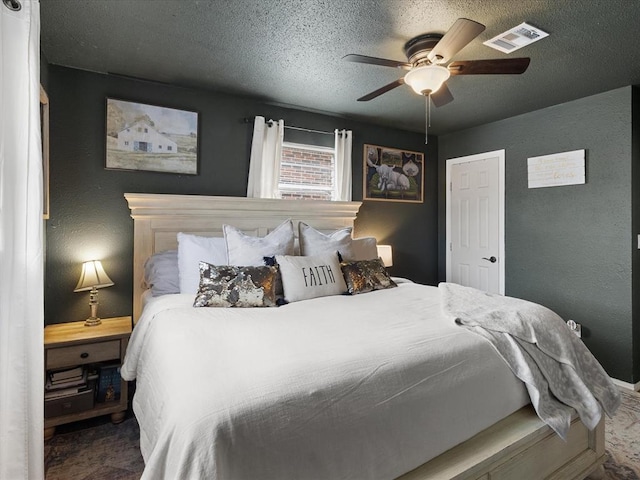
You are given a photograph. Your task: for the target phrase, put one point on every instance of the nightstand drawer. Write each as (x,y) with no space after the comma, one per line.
(79,402)
(81,354)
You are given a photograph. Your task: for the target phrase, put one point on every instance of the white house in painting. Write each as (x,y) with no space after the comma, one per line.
(142,137)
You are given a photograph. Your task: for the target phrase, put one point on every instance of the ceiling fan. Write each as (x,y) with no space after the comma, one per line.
(427,55)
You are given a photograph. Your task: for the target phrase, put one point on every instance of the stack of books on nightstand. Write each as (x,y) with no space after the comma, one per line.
(64,383)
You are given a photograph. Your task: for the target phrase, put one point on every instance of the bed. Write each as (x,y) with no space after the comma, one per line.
(476,424)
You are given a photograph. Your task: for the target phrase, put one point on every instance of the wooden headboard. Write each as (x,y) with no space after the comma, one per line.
(157,219)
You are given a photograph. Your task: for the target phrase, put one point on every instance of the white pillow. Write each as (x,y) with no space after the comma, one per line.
(314,242)
(192,250)
(246,251)
(311,276)
(363,248)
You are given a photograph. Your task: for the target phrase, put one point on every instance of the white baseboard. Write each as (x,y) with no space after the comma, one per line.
(628,386)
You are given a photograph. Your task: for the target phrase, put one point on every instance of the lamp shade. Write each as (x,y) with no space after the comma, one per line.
(93,275)
(386,254)
(426,79)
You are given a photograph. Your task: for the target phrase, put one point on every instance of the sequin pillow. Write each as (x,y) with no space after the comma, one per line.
(271,262)
(366,276)
(232,286)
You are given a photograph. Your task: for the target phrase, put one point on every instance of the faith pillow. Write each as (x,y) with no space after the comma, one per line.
(311,276)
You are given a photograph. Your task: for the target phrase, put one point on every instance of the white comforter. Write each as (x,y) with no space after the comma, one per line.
(369,386)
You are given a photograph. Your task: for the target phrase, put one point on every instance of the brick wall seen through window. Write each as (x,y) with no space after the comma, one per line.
(306,172)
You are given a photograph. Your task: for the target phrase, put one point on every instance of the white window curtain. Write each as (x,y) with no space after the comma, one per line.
(21,245)
(266,151)
(343,165)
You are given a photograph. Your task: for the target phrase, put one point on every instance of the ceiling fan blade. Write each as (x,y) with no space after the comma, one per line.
(494,66)
(376,61)
(442,96)
(456,38)
(382,90)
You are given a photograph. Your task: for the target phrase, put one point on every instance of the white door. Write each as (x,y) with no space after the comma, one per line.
(475,221)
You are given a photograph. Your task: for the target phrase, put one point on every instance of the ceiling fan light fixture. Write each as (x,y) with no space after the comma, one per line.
(427,78)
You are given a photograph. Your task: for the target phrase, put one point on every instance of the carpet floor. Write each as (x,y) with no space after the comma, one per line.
(622,436)
(102,451)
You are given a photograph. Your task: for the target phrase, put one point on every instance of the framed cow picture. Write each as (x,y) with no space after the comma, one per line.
(392,174)
(151,138)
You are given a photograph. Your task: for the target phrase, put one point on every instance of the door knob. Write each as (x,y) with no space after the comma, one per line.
(490,259)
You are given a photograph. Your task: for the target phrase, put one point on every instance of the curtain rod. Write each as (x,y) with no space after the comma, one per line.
(270,122)
(309,130)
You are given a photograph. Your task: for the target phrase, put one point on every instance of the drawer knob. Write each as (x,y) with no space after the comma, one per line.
(84,355)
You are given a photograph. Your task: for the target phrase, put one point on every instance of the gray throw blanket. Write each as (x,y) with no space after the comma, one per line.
(560,373)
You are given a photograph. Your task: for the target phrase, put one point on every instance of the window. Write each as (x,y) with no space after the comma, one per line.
(307,172)
(169,147)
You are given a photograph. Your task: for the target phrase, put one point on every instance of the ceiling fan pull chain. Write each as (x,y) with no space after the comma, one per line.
(427,119)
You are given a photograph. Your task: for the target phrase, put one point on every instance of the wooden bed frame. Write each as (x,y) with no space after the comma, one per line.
(519,447)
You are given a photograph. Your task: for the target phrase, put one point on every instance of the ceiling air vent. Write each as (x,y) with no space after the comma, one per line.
(516,38)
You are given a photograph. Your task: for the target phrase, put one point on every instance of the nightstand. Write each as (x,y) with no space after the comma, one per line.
(95,349)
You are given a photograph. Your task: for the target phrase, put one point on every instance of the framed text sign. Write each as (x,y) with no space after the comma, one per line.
(565,168)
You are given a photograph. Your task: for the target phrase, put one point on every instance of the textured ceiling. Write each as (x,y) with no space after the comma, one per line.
(289,51)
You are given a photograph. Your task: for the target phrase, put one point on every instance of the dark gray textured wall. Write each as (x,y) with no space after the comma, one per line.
(569,248)
(44,71)
(89,215)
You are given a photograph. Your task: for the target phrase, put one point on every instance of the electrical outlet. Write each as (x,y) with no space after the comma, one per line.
(575,327)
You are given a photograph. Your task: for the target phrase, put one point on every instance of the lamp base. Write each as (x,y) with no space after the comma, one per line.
(92,322)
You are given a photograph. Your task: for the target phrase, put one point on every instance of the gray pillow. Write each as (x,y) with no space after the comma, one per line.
(364,248)
(161,273)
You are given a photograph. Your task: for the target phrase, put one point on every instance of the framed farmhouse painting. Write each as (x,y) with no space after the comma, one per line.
(151,138)
(393,175)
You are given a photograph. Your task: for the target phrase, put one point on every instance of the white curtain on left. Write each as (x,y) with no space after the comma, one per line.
(343,141)
(266,151)
(21,245)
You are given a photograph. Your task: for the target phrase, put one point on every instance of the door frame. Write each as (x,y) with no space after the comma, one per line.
(501,208)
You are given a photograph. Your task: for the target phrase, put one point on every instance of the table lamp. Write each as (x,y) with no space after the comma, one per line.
(93,277)
(386,254)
